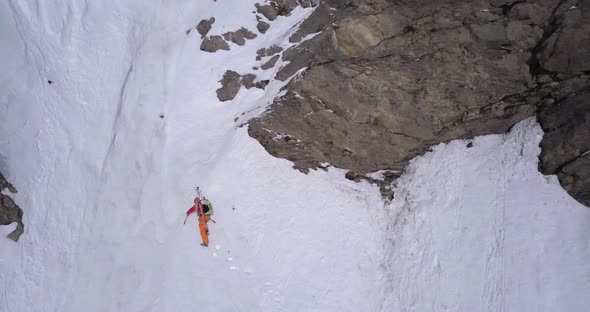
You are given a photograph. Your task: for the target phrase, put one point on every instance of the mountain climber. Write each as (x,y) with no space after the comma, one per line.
(204,212)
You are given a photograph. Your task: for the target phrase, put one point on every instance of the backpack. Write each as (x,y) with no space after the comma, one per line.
(207,209)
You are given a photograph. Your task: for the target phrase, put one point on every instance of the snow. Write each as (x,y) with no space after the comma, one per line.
(480,228)
(104,183)
(107,181)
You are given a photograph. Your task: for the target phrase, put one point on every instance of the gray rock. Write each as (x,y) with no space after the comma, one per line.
(248,80)
(269,11)
(6,185)
(260,53)
(239,36)
(276,8)
(261,84)
(575,179)
(230,85)
(534,13)
(284,7)
(319,20)
(566,143)
(387,79)
(213,44)
(567,50)
(309,3)
(274,49)
(270,63)
(262,26)
(9,211)
(204,26)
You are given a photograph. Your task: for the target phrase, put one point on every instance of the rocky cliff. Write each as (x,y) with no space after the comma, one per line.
(9,211)
(387,79)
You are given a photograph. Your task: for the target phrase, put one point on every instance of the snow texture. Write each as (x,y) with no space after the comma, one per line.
(104,183)
(480,229)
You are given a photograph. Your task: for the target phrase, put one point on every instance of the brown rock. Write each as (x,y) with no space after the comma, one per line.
(567,50)
(262,26)
(284,7)
(230,85)
(320,19)
(239,36)
(274,49)
(213,44)
(9,211)
(309,3)
(355,35)
(261,84)
(248,80)
(385,80)
(565,148)
(270,63)
(269,11)
(204,26)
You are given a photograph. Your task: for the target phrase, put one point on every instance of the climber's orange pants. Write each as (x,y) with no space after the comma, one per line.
(203,228)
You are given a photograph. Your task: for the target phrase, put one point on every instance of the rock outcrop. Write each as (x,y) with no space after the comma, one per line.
(204,26)
(239,36)
(272,50)
(386,80)
(232,82)
(213,44)
(230,86)
(566,144)
(262,26)
(9,211)
(270,63)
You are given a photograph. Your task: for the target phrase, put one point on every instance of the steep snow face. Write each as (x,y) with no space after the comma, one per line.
(480,229)
(104,182)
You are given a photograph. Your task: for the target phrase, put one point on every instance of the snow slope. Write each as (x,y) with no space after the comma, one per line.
(108,181)
(104,182)
(480,229)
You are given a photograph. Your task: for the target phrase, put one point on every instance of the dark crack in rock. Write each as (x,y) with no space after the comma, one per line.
(230,86)
(239,36)
(213,44)
(204,26)
(9,211)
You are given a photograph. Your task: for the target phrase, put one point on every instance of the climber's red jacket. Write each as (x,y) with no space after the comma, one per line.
(199,210)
